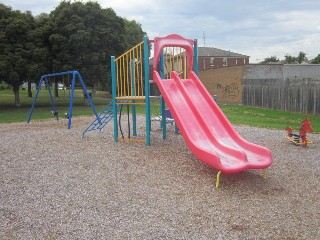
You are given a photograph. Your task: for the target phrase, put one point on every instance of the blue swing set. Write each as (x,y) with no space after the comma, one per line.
(75,75)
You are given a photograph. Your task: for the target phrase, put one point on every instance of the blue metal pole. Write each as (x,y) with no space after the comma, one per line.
(58,74)
(195,57)
(71,99)
(134,115)
(51,98)
(87,95)
(74,74)
(114,101)
(163,103)
(147,88)
(35,99)
(45,77)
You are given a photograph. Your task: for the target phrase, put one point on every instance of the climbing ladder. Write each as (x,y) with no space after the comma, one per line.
(102,120)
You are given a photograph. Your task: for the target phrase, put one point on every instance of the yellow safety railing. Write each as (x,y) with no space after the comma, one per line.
(129,74)
(175,59)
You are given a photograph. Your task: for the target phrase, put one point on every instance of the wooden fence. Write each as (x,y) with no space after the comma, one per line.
(294,95)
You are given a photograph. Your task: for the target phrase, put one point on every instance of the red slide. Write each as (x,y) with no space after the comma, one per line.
(206,130)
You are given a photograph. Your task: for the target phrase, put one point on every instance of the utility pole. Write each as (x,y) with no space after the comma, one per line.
(204,39)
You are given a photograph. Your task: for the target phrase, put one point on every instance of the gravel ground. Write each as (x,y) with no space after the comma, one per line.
(56,185)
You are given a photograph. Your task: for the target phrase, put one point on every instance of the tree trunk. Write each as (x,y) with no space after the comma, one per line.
(29,90)
(56,93)
(16,95)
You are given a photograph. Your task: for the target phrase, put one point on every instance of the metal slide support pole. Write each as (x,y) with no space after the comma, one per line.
(134,115)
(35,99)
(114,101)
(265,174)
(147,88)
(218,179)
(195,57)
(163,103)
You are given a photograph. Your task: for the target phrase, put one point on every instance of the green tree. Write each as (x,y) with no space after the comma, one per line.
(39,61)
(83,37)
(316,60)
(289,59)
(301,57)
(133,33)
(271,59)
(74,36)
(15,47)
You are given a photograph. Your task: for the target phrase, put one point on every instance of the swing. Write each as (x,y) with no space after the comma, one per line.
(54,111)
(75,75)
(66,113)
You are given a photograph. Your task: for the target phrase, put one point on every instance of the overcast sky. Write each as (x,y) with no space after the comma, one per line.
(258,28)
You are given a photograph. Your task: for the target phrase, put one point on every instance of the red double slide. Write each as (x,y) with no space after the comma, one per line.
(205,128)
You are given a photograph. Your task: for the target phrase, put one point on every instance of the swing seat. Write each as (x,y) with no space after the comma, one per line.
(54,113)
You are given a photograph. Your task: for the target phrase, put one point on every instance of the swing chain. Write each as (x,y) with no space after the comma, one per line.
(66,113)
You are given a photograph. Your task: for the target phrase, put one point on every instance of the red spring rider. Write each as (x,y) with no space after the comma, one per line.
(304,129)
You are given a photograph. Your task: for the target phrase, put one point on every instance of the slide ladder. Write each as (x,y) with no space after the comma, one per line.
(103,119)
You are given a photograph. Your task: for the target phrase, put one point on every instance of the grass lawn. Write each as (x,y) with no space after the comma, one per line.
(10,113)
(237,114)
(267,118)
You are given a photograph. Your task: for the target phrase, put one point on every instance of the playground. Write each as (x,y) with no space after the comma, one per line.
(55,185)
(151,177)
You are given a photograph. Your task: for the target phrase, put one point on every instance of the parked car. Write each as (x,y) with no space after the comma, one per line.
(61,86)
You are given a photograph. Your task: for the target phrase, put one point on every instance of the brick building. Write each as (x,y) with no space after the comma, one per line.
(210,58)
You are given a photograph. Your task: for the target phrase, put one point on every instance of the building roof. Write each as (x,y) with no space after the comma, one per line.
(213,52)
(216,52)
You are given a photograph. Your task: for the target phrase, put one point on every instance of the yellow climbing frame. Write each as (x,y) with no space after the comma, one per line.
(129,74)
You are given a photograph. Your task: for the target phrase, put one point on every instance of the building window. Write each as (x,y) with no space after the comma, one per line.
(212,61)
(224,61)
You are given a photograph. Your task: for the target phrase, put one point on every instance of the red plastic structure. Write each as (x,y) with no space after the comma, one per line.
(304,129)
(205,128)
